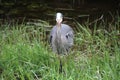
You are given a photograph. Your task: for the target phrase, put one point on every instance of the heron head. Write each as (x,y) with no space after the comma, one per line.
(59,18)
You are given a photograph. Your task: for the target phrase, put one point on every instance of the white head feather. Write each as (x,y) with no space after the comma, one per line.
(59,17)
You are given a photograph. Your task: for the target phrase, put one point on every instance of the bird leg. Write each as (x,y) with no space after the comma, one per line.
(61,64)
(60,67)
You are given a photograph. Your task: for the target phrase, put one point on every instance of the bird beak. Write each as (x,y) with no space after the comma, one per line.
(59,21)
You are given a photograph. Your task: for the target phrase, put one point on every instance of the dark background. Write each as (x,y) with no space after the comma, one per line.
(46,9)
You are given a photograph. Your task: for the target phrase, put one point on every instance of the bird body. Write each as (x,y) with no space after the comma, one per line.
(61,38)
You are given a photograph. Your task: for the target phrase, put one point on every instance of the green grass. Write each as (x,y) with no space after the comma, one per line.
(25,56)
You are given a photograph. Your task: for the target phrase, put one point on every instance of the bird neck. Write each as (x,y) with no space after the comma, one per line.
(59,30)
(58,25)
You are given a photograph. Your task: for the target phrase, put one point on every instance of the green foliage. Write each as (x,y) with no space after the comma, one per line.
(25,56)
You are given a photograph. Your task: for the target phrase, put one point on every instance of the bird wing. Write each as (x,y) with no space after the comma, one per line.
(69,37)
(52,35)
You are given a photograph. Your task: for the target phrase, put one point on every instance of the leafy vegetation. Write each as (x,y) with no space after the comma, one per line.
(25,56)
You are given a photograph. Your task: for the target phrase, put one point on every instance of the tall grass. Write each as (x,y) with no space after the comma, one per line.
(25,56)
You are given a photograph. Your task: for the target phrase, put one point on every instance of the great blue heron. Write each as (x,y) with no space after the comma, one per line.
(61,37)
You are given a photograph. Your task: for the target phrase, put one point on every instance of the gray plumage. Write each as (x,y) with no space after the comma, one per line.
(61,38)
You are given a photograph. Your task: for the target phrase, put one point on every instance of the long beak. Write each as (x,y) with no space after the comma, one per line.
(59,21)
